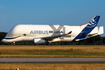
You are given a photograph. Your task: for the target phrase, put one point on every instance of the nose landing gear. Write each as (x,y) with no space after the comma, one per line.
(13,43)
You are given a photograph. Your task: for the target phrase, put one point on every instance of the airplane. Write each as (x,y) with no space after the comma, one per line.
(53,33)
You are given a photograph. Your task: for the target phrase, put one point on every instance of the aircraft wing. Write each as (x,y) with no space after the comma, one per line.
(55,36)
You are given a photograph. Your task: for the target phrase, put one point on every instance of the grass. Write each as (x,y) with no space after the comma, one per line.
(52,51)
(52,66)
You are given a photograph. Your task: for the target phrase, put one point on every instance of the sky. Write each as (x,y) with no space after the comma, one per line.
(60,12)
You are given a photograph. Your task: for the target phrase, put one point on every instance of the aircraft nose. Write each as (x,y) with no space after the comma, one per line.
(3,40)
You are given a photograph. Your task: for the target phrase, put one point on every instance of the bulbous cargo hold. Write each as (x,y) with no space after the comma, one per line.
(53,33)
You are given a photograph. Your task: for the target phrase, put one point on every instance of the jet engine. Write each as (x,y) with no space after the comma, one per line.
(39,41)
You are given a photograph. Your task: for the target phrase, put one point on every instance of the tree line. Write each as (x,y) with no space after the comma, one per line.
(97,40)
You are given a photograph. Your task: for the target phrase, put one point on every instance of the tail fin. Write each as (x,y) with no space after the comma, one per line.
(93,23)
(88,28)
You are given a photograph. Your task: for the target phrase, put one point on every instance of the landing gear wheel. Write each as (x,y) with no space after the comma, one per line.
(13,43)
(49,43)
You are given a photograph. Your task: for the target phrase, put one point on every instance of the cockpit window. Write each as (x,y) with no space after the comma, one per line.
(24,34)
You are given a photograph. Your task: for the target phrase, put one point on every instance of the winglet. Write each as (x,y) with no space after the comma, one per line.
(70,32)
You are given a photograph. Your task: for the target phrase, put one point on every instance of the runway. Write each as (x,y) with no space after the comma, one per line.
(52,60)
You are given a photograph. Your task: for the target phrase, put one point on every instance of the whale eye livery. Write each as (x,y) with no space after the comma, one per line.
(53,33)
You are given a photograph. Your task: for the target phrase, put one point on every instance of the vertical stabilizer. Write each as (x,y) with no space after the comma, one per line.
(88,28)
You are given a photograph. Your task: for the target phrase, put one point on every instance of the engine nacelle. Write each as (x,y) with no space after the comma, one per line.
(39,41)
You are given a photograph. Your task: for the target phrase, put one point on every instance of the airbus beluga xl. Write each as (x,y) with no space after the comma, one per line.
(53,33)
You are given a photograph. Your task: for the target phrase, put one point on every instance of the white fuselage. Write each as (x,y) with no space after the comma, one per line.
(30,32)
(53,33)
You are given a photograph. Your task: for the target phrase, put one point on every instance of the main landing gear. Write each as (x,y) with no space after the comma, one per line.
(48,43)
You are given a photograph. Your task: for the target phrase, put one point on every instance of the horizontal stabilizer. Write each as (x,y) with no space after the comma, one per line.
(80,39)
(101,30)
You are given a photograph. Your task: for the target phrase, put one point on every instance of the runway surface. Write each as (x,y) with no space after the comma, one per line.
(51,60)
